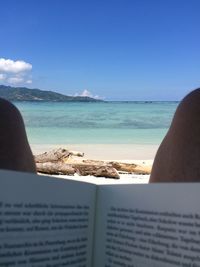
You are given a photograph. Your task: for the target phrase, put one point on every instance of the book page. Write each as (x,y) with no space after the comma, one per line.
(45,221)
(148,225)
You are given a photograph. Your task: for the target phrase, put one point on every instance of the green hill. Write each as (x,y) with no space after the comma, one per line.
(26,94)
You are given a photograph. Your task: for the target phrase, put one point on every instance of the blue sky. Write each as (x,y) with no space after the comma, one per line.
(116,49)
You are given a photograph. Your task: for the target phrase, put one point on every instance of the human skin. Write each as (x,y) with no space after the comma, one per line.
(15,152)
(178,157)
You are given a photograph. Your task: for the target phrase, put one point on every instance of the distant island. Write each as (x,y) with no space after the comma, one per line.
(26,94)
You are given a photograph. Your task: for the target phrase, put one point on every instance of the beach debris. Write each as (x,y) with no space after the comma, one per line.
(97,170)
(55,168)
(131,167)
(56,155)
(123,167)
(76,153)
(63,161)
(80,169)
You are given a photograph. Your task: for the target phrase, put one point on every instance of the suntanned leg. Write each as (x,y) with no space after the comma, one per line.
(178,157)
(15,152)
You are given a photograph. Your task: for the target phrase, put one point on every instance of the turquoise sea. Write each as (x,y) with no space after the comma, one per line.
(97,123)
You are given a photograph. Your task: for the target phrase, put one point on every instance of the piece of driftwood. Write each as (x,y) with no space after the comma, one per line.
(96,170)
(123,167)
(81,169)
(63,163)
(55,168)
(56,155)
(76,153)
(131,167)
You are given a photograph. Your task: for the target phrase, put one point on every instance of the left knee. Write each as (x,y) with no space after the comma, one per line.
(15,151)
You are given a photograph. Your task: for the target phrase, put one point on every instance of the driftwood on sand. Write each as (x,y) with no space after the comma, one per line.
(81,169)
(131,167)
(97,170)
(55,168)
(56,155)
(61,161)
(123,167)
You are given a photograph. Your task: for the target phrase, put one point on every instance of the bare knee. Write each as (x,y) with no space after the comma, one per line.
(178,157)
(189,110)
(12,129)
(15,152)
(185,123)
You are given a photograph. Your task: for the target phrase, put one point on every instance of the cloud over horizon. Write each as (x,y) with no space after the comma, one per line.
(15,72)
(87,93)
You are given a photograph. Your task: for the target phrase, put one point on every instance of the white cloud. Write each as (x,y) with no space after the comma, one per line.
(88,94)
(15,72)
(15,80)
(2,76)
(29,81)
(11,66)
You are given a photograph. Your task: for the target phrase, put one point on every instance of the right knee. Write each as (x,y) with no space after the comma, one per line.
(178,156)
(189,108)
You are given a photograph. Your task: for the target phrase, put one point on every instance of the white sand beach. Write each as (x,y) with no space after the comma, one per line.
(124,179)
(105,151)
(134,153)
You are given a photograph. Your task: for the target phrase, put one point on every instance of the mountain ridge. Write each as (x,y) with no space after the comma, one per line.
(26,94)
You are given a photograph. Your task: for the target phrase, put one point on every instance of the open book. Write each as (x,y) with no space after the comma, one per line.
(51,222)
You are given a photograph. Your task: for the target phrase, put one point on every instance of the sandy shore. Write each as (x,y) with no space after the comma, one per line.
(134,153)
(124,179)
(105,151)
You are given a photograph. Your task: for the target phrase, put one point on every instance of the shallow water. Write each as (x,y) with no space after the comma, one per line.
(97,123)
